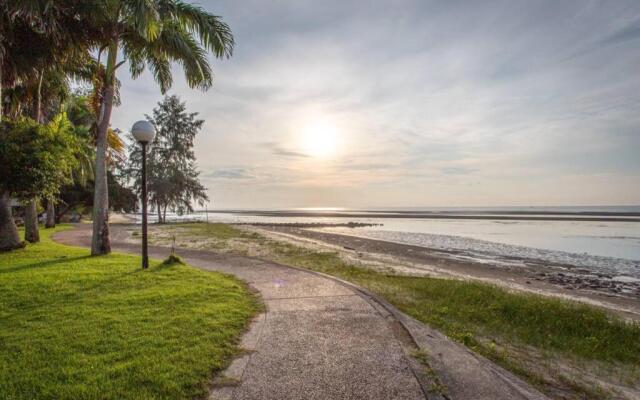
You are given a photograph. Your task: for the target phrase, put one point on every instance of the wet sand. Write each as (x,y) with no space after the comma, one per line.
(557,280)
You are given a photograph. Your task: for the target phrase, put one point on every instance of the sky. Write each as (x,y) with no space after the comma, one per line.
(403,103)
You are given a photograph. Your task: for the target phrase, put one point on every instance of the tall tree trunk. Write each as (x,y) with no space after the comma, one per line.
(159,209)
(164,213)
(101,243)
(38,109)
(9,237)
(51,215)
(31,233)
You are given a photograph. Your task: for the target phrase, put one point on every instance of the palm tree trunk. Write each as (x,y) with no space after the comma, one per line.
(38,110)
(101,243)
(31,233)
(51,215)
(9,237)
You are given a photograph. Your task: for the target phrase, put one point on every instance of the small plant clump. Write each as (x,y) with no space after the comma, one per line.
(173,260)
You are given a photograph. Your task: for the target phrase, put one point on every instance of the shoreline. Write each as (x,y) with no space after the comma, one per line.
(496,215)
(417,260)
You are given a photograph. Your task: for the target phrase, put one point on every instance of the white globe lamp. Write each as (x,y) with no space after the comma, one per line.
(143,131)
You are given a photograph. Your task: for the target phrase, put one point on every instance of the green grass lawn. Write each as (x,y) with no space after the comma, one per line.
(79,327)
(216,230)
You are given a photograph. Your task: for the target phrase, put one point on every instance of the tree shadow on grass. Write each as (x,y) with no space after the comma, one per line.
(43,264)
(75,296)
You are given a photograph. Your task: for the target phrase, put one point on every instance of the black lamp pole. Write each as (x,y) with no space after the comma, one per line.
(145,250)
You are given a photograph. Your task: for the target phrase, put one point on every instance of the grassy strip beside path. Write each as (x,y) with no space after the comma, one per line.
(79,327)
(463,309)
(526,333)
(523,332)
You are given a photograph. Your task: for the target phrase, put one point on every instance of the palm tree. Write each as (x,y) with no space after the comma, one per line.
(150,33)
(38,39)
(41,96)
(17,33)
(82,117)
(37,35)
(30,39)
(56,92)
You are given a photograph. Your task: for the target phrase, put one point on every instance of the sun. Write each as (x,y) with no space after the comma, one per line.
(319,138)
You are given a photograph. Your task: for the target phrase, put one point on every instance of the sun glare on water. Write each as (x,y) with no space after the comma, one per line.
(319,138)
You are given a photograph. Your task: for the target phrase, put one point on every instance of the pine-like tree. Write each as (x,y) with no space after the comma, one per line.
(172,175)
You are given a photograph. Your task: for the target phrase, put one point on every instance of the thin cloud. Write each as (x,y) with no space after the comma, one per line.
(627,33)
(230,173)
(621,35)
(280,150)
(458,170)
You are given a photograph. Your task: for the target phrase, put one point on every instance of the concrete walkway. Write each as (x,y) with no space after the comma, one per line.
(322,339)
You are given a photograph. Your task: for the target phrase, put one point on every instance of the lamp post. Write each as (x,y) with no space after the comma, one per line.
(144,132)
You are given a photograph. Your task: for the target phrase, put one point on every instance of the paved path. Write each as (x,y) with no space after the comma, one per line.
(317,339)
(321,339)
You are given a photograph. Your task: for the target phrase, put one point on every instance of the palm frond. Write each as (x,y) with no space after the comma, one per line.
(115,142)
(143,16)
(161,69)
(181,47)
(214,34)
(136,60)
